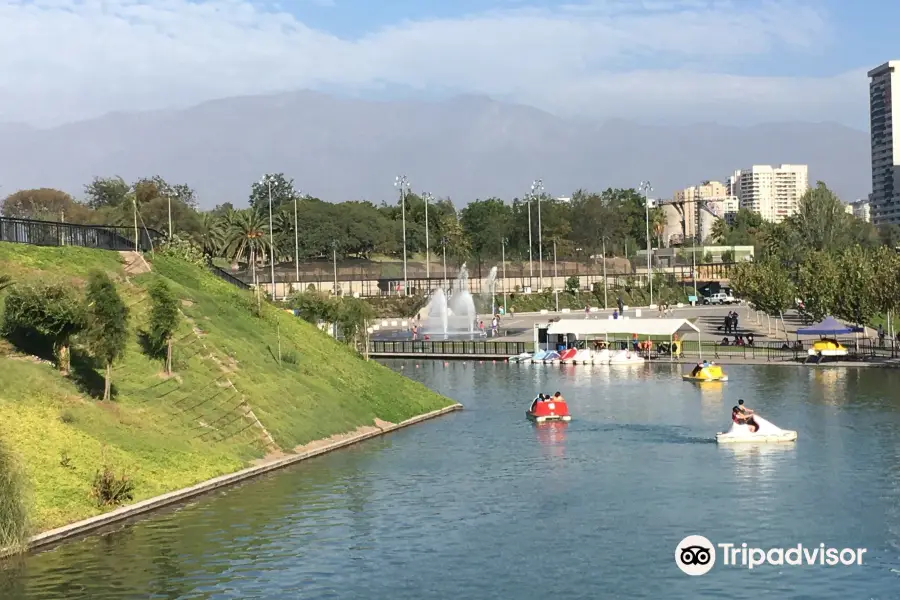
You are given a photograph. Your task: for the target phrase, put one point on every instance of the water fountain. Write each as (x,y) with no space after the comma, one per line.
(454,315)
(491,283)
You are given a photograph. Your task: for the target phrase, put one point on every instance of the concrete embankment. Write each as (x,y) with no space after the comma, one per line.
(86,526)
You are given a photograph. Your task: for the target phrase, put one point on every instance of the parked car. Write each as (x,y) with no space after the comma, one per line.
(719,298)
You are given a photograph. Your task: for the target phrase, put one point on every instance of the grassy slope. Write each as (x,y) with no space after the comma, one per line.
(170,433)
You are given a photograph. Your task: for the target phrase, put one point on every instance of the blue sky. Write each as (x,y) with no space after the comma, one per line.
(738,61)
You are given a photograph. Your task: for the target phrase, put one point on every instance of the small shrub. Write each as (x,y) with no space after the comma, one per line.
(107,489)
(573,284)
(67,417)
(13,509)
(65,461)
(289,357)
(184,249)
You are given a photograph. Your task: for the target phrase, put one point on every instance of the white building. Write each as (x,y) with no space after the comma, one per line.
(861,209)
(885,197)
(703,204)
(773,192)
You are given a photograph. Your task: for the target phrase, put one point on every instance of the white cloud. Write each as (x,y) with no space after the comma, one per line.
(67,59)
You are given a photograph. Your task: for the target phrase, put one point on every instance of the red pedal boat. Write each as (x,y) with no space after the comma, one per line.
(549,410)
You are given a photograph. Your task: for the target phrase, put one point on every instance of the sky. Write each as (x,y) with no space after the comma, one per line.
(677,61)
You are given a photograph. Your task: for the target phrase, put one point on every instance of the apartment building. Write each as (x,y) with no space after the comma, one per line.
(772,191)
(703,204)
(861,209)
(885,197)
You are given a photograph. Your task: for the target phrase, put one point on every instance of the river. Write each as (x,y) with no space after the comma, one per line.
(482,504)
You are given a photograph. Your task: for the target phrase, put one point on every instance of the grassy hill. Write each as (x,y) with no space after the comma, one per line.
(228,402)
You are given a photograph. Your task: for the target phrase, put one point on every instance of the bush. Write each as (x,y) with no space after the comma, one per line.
(184,249)
(107,489)
(573,285)
(13,509)
(50,312)
(107,323)
(164,318)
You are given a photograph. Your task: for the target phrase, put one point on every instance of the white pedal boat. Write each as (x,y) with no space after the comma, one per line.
(767,433)
(625,357)
(584,357)
(524,357)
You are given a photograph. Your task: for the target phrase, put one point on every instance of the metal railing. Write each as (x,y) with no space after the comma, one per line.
(228,277)
(448,347)
(52,233)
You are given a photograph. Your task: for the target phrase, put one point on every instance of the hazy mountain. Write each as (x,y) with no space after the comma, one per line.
(465,148)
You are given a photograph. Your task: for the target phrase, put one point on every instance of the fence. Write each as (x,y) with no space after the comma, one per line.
(228,277)
(448,348)
(51,233)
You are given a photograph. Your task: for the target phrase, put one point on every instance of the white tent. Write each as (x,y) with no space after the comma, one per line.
(604,327)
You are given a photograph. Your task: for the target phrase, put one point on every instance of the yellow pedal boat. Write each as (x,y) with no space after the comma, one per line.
(706,372)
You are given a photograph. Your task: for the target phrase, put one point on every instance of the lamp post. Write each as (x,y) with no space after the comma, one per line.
(426,197)
(694,265)
(444,250)
(530,260)
(334,259)
(503,242)
(538,185)
(267,179)
(296,241)
(169,198)
(555,288)
(605,283)
(403,183)
(646,189)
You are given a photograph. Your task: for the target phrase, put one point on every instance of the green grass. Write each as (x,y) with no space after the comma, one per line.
(168,433)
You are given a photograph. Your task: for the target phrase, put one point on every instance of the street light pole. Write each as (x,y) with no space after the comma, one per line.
(530,259)
(296,242)
(605,284)
(334,258)
(694,265)
(402,182)
(646,189)
(444,250)
(555,288)
(427,197)
(271,238)
(170,216)
(503,259)
(539,185)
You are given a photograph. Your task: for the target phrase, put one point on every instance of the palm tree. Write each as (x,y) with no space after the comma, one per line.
(212,233)
(247,237)
(719,231)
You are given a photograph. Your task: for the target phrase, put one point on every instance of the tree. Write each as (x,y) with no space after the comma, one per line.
(818,284)
(485,223)
(247,238)
(728,256)
(44,204)
(858,300)
(164,319)
(282,190)
(107,324)
(767,285)
(49,310)
(104,192)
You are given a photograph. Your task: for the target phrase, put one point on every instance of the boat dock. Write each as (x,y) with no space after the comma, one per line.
(448,349)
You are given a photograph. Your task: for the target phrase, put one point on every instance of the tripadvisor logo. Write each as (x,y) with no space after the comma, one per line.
(696,555)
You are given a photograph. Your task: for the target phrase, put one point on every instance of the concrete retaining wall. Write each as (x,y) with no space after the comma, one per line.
(126,512)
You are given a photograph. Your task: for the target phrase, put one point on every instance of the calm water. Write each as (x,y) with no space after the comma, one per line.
(482,504)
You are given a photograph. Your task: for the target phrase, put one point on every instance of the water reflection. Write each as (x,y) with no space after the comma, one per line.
(830,383)
(712,396)
(552,437)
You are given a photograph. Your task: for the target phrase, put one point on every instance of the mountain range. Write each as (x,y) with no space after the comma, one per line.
(464,148)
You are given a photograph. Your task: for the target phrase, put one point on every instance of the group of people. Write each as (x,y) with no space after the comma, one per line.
(731,323)
(738,341)
(557,397)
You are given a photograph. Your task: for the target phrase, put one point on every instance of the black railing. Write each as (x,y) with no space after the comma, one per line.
(228,277)
(448,348)
(51,233)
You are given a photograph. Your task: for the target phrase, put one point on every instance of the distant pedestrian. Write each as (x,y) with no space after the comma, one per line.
(621,305)
(415,332)
(494,325)
(734,321)
(587,312)
(727,324)
(881,336)
(615,313)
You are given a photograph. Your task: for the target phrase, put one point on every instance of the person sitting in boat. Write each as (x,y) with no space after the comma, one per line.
(557,397)
(540,398)
(743,415)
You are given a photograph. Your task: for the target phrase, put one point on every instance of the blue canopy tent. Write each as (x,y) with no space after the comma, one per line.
(828,326)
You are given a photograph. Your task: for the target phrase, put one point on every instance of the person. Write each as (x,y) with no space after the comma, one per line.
(587,311)
(634,342)
(558,397)
(615,313)
(540,398)
(743,415)
(494,325)
(620,305)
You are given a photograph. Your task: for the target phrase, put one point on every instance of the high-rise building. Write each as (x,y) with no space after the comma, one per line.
(861,209)
(885,196)
(703,204)
(773,192)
